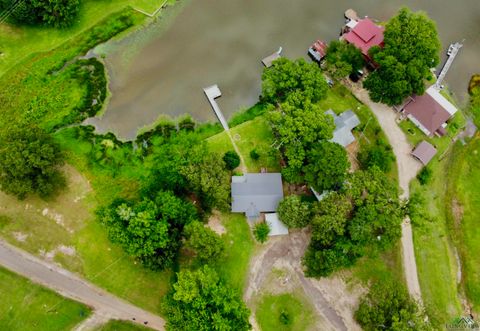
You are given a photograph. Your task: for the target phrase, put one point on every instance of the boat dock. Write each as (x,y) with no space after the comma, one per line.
(267,62)
(452,53)
(213,92)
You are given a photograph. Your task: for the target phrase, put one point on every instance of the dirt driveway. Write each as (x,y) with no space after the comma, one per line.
(332,299)
(408,168)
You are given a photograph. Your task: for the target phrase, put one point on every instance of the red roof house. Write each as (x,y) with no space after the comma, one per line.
(364,35)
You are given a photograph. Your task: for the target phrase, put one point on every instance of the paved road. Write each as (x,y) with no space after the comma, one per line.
(72,286)
(408,168)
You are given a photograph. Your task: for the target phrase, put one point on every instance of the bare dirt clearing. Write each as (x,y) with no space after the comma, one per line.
(277,269)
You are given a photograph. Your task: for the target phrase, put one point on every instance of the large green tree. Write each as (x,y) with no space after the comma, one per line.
(411,49)
(286,76)
(298,126)
(206,244)
(201,301)
(362,219)
(343,59)
(294,212)
(29,162)
(327,166)
(387,306)
(149,230)
(58,13)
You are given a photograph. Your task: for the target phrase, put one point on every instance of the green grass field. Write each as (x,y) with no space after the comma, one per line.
(115,325)
(434,252)
(25,306)
(16,43)
(465,201)
(284,312)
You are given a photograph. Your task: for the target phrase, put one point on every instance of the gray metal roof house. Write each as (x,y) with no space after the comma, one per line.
(253,194)
(344,124)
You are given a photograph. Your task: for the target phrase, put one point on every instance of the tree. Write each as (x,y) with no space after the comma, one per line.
(379,155)
(387,306)
(231,159)
(207,245)
(207,177)
(149,230)
(58,13)
(327,166)
(299,128)
(343,59)
(29,162)
(261,231)
(201,301)
(254,154)
(364,218)
(286,76)
(294,212)
(411,49)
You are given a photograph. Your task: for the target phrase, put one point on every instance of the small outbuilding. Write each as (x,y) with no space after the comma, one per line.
(344,124)
(277,228)
(253,194)
(424,152)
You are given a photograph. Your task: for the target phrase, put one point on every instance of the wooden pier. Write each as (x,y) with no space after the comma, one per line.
(213,92)
(452,53)
(267,62)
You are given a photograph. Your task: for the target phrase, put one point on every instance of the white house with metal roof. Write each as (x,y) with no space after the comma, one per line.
(253,194)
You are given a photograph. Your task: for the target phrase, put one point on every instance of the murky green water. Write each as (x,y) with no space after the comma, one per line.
(163,68)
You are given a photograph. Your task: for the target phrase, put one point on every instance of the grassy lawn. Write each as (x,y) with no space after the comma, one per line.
(240,246)
(433,248)
(254,134)
(25,306)
(19,42)
(465,199)
(65,231)
(284,312)
(115,325)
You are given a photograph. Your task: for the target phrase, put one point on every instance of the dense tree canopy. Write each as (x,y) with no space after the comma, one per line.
(201,301)
(149,230)
(364,218)
(343,59)
(207,245)
(286,76)
(29,162)
(327,166)
(58,13)
(411,49)
(299,128)
(378,155)
(294,212)
(387,306)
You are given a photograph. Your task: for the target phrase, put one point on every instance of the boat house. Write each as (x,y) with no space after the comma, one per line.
(253,194)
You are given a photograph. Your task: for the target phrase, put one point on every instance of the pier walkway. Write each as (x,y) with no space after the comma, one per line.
(452,53)
(213,92)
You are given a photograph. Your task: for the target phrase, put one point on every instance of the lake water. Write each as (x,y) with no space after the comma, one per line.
(162,68)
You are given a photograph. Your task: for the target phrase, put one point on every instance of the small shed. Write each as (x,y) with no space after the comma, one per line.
(344,124)
(424,152)
(277,228)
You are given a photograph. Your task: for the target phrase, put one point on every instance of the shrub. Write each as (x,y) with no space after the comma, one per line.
(424,175)
(254,154)
(261,231)
(231,159)
(285,318)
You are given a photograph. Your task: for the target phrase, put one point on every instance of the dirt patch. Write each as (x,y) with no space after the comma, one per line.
(58,218)
(215,223)
(66,250)
(277,269)
(457,212)
(352,152)
(19,236)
